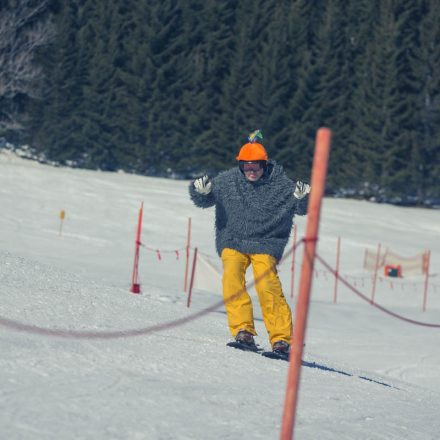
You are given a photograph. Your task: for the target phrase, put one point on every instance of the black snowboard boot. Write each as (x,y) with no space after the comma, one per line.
(281,347)
(244,340)
(280,350)
(245,337)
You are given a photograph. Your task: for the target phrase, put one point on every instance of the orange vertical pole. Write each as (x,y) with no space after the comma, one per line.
(135,286)
(373,287)
(338,254)
(188,246)
(425,293)
(292,278)
(319,173)
(193,271)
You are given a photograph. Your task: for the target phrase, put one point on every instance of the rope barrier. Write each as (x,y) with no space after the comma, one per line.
(87,334)
(361,295)
(162,251)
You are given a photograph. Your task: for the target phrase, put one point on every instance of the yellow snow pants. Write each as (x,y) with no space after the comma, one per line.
(276,312)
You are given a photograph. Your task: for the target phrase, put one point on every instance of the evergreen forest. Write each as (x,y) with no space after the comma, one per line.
(173,87)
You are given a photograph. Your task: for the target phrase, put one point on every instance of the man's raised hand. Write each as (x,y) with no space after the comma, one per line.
(301,190)
(203,185)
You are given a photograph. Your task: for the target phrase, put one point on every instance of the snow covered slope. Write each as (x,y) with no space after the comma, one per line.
(366,375)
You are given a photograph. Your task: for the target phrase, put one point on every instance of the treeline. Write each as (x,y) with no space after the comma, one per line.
(169,87)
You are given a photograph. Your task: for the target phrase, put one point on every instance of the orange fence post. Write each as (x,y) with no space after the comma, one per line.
(425,292)
(373,287)
(191,282)
(292,277)
(135,286)
(319,173)
(188,246)
(338,254)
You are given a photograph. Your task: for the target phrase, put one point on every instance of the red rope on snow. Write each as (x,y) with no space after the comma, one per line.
(383,309)
(88,334)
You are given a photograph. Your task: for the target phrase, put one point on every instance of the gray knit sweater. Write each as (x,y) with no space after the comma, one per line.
(252,217)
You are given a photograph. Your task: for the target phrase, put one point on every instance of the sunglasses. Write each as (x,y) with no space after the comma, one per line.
(252,166)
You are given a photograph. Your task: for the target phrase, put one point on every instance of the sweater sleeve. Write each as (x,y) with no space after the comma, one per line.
(301,206)
(200,200)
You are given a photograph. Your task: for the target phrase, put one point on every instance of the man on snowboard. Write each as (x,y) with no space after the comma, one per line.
(254,208)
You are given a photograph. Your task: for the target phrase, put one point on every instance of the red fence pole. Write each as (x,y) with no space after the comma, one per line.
(188,246)
(319,173)
(191,282)
(292,279)
(373,287)
(338,254)
(135,286)
(425,293)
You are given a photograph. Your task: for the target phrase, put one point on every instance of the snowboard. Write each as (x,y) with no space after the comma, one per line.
(256,349)
(276,355)
(244,347)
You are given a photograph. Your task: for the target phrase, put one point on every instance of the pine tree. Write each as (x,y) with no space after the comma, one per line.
(304,21)
(425,64)
(209,129)
(55,126)
(332,101)
(379,102)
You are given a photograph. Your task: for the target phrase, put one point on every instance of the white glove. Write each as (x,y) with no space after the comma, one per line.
(203,185)
(301,190)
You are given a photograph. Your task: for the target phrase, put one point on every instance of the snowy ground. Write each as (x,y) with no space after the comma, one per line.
(366,375)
